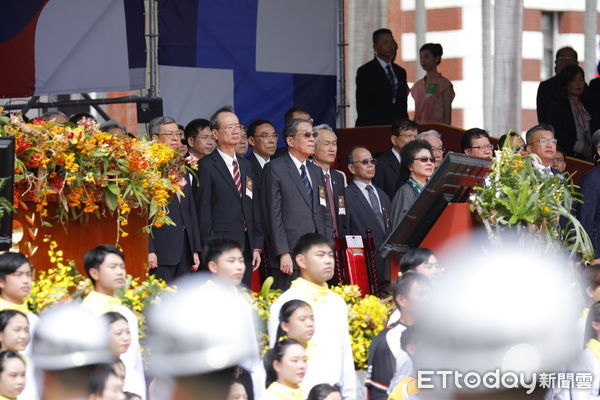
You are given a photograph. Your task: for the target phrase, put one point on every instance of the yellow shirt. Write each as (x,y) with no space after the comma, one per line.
(7,305)
(101,303)
(405,389)
(281,392)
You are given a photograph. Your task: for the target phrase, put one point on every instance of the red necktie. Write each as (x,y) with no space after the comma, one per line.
(236,177)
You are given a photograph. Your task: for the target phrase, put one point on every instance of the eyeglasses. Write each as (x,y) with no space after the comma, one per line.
(268,136)
(171,135)
(425,159)
(546,141)
(231,128)
(366,161)
(408,135)
(440,149)
(486,147)
(521,148)
(308,135)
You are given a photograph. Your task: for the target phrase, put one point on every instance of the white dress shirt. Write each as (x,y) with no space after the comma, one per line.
(261,160)
(397,155)
(298,164)
(384,66)
(229,162)
(363,188)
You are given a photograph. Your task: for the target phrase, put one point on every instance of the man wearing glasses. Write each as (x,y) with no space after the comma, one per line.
(389,175)
(367,205)
(263,139)
(294,200)
(476,142)
(173,250)
(227,195)
(541,141)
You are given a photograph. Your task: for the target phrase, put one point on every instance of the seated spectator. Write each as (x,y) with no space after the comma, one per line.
(12,375)
(541,142)
(199,139)
(589,211)
(434,138)
(285,364)
(55,116)
(559,162)
(417,162)
(325,391)
(571,114)
(515,141)
(75,118)
(476,142)
(114,128)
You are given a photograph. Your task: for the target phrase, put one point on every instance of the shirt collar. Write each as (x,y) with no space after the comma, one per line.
(361,185)
(396,154)
(297,162)
(261,160)
(7,305)
(227,158)
(383,63)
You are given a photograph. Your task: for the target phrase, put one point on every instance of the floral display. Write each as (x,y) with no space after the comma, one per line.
(519,198)
(5,204)
(84,169)
(367,316)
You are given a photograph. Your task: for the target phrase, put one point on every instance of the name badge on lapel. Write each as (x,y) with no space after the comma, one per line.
(341,205)
(322,196)
(249,186)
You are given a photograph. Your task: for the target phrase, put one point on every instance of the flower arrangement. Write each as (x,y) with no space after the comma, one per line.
(367,316)
(83,168)
(517,197)
(63,283)
(5,205)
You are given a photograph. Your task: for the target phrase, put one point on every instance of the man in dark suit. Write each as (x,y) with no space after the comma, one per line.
(381,89)
(173,249)
(263,139)
(548,89)
(227,197)
(367,205)
(295,200)
(389,176)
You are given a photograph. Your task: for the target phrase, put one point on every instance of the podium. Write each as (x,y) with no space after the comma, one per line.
(441,212)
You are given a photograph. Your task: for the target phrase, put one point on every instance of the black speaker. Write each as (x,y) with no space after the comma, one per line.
(7,171)
(149,109)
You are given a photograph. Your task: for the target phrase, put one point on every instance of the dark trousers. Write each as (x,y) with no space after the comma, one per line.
(169,273)
(283,281)
(248,252)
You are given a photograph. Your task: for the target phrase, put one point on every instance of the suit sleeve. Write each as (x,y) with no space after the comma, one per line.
(204,202)
(194,222)
(257,217)
(541,104)
(272,205)
(587,211)
(398,208)
(362,97)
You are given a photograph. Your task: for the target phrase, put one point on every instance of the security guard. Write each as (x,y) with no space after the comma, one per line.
(69,342)
(197,336)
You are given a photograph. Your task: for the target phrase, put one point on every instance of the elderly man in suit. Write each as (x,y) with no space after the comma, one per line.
(381,88)
(173,249)
(367,205)
(227,195)
(295,200)
(389,175)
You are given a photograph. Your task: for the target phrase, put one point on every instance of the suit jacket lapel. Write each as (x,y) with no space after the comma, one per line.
(220,165)
(395,163)
(295,176)
(361,198)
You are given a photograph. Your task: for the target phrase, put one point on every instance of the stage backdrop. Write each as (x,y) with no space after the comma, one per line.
(261,56)
(71,46)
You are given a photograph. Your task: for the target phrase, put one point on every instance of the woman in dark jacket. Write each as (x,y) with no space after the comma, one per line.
(571,114)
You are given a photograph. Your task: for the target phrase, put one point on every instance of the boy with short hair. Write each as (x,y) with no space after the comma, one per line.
(225,260)
(330,349)
(105,266)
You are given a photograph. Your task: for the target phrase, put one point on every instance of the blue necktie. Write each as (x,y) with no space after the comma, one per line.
(375,206)
(306,182)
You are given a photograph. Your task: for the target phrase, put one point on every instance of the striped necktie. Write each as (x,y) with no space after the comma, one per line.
(237,177)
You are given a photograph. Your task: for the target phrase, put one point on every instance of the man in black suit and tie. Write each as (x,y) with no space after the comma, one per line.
(263,139)
(389,176)
(381,89)
(173,249)
(548,89)
(295,200)
(367,205)
(227,197)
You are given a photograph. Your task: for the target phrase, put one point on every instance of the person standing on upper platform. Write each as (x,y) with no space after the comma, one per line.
(381,89)
(433,93)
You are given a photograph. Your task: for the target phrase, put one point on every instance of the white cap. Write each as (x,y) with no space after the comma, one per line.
(70,336)
(200,328)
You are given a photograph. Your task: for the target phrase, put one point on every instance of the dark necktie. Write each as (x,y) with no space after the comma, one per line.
(306,182)
(393,83)
(375,206)
(237,177)
(331,202)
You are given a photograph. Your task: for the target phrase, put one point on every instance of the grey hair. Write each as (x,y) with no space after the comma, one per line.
(51,114)
(111,124)
(596,139)
(323,127)
(214,119)
(431,132)
(292,128)
(154,125)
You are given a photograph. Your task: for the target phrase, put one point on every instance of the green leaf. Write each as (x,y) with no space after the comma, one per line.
(111,200)
(113,188)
